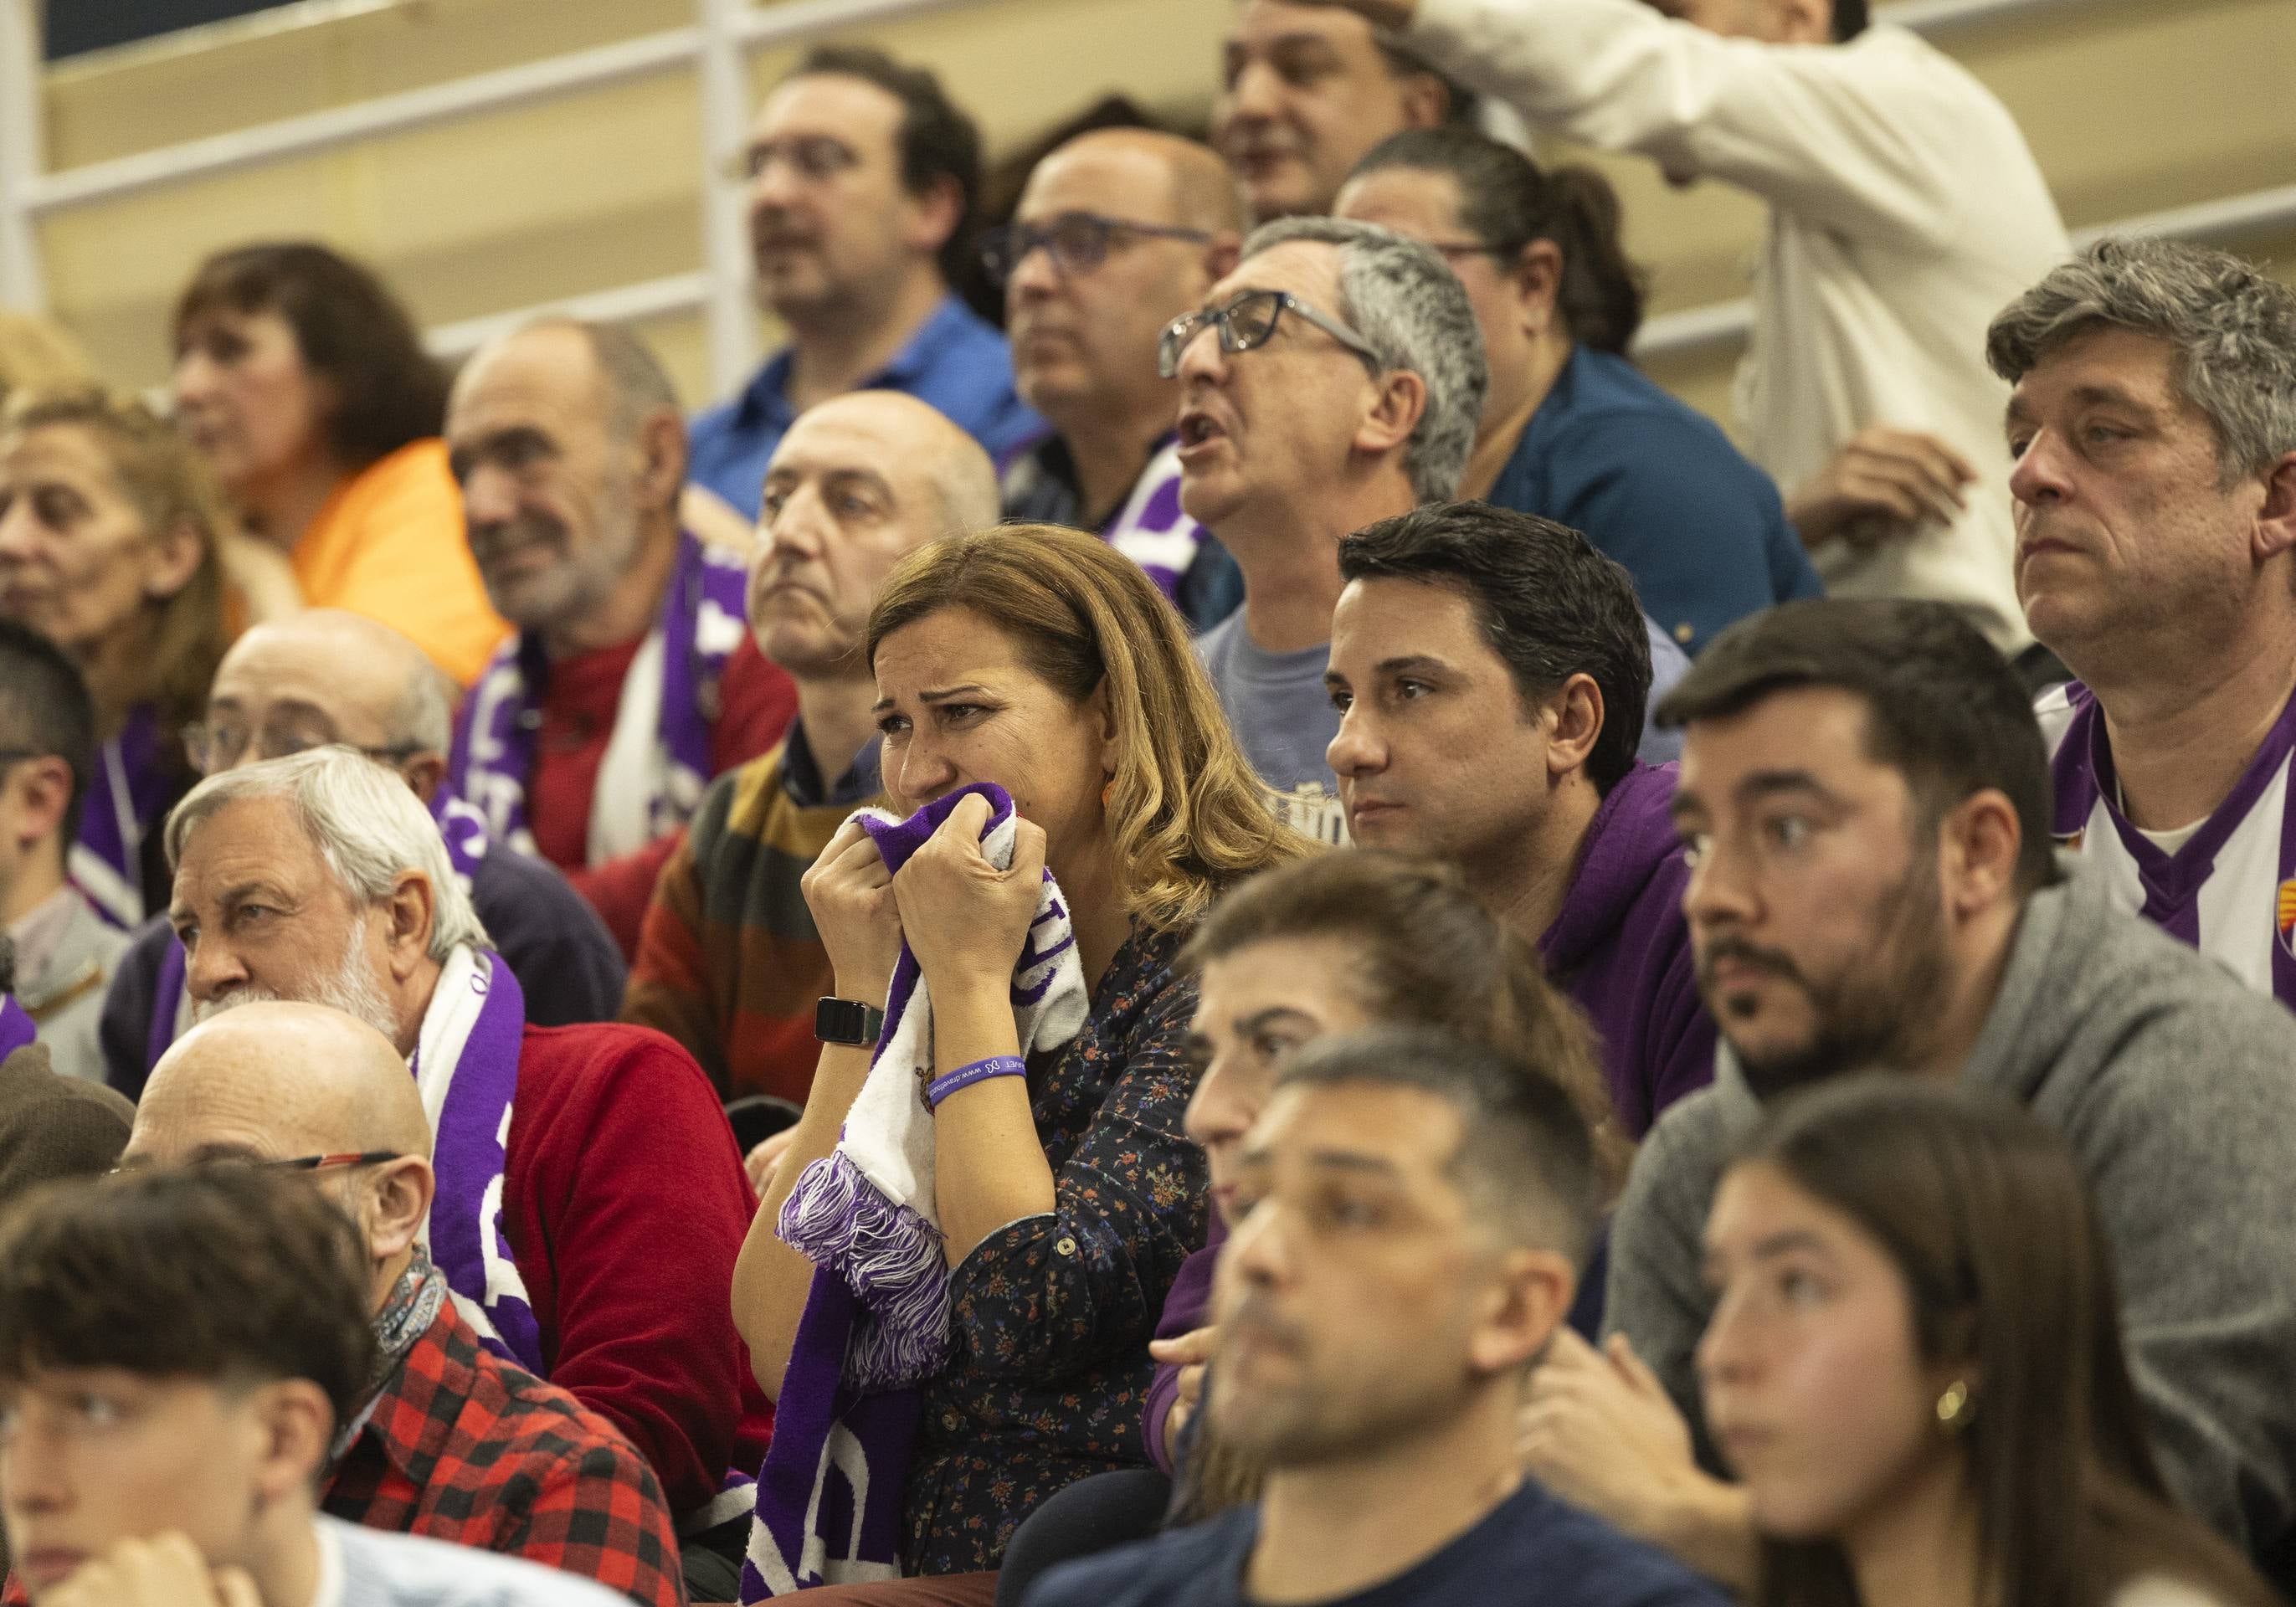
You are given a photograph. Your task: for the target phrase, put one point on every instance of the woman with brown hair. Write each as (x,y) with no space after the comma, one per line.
(1042,662)
(110,537)
(1914,1364)
(303,383)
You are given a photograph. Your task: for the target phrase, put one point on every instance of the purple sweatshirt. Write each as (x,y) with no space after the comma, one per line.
(1621,950)
(1187,1306)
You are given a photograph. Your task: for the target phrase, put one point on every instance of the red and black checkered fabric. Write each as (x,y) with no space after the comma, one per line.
(465,1448)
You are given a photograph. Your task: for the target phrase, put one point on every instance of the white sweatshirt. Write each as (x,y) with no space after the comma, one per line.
(1904,212)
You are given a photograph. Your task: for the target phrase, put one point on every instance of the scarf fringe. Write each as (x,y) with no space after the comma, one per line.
(891,1259)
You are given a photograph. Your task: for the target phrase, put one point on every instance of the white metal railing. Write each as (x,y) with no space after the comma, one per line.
(715,48)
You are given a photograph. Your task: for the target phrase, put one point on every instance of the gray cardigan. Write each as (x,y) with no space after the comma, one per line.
(2176,1088)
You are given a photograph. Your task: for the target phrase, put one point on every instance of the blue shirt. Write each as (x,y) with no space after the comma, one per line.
(1531,1548)
(1655,485)
(957,362)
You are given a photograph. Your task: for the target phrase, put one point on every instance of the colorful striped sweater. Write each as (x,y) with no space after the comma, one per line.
(728,961)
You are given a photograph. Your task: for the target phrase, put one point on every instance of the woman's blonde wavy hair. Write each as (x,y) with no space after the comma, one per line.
(167,484)
(1186,814)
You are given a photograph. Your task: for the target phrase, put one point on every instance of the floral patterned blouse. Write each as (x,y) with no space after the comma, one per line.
(1052,1314)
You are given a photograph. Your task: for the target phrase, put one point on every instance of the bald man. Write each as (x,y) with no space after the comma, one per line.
(589,737)
(730,964)
(323,677)
(455,1443)
(1119,232)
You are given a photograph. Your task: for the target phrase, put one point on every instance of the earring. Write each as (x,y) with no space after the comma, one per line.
(1106,787)
(1953,1407)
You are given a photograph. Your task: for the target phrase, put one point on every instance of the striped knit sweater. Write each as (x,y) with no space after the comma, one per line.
(728,962)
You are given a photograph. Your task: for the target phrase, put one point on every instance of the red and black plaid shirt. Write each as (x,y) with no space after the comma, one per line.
(464,1447)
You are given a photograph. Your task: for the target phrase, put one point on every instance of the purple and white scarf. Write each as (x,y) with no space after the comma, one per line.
(16,1028)
(130,789)
(464,832)
(465,1066)
(1151,530)
(875,1325)
(657,762)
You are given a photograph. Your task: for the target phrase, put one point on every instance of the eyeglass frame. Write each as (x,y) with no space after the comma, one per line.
(1181,333)
(1035,237)
(293,1163)
(195,737)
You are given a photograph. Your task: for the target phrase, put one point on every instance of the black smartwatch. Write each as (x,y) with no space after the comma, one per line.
(847,1021)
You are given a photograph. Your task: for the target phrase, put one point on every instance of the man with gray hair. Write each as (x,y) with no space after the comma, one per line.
(1335,379)
(2153,429)
(589,737)
(323,677)
(590,1202)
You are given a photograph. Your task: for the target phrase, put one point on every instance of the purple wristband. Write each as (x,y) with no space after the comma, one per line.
(965,1076)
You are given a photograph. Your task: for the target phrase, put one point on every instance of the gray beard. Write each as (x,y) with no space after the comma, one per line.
(352,989)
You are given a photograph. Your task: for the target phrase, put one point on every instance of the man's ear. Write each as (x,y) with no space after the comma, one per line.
(1575,714)
(935,214)
(1224,251)
(294,1423)
(410,910)
(1801,22)
(403,1190)
(425,772)
(2275,520)
(1394,414)
(1529,1297)
(44,787)
(1426,100)
(1977,848)
(1537,278)
(661,460)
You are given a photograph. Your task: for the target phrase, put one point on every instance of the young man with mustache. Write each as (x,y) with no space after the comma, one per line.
(589,737)
(1865,797)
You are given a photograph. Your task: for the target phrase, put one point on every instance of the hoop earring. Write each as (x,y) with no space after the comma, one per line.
(1954,1409)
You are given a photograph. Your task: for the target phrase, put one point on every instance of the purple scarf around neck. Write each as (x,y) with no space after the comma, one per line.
(130,789)
(492,754)
(16,1028)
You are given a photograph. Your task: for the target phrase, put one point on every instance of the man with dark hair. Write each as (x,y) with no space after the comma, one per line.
(1865,796)
(65,952)
(863,179)
(1119,232)
(1423,1209)
(174,1463)
(590,736)
(1490,669)
(1305,91)
(447,1440)
(323,677)
(1864,394)
(2153,428)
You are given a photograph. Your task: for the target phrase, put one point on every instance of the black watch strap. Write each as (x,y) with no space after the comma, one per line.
(847,1021)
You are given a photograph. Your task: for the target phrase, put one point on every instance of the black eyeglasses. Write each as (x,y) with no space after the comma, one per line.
(215,749)
(1078,241)
(320,1163)
(1247,322)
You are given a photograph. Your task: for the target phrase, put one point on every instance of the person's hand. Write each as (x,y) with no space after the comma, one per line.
(966,920)
(762,1161)
(1882,486)
(1599,1430)
(850,893)
(166,1570)
(1190,1351)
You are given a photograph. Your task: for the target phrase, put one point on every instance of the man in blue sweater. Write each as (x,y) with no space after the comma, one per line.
(1423,1209)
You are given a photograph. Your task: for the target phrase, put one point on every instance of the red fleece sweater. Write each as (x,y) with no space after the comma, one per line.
(626,1204)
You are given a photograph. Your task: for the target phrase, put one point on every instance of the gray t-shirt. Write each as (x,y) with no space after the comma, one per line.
(1285,718)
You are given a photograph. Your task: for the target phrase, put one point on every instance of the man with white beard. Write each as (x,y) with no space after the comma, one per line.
(590,1200)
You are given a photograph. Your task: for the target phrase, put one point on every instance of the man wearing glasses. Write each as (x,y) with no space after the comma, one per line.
(65,952)
(863,179)
(1332,380)
(323,677)
(1119,231)
(451,1441)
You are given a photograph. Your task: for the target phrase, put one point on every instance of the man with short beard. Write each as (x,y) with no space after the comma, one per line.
(588,738)
(1865,800)
(590,1202)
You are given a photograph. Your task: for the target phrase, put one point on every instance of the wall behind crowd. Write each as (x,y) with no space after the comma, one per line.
(2131,106)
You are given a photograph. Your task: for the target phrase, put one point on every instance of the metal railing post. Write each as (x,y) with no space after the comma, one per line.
(725,221)
(20,281)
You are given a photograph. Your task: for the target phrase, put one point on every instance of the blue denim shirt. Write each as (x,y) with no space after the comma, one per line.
(955,362)
(1654,484)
